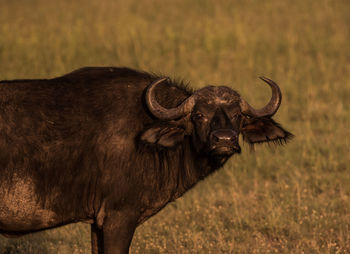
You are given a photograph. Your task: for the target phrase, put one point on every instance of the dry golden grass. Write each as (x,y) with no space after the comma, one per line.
(293,199)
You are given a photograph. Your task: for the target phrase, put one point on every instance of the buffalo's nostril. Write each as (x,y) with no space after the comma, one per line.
(216,138)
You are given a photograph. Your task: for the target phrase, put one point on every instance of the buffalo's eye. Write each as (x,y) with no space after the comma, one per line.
(246,116)
(236,119)
(198,116)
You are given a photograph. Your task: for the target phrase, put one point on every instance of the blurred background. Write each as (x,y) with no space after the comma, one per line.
(291,199)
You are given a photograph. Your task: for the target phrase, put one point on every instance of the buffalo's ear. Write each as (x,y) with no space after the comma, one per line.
(164,136)
(264,129)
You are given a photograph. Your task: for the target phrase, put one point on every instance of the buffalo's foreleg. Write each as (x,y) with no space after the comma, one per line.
(96,239)
(118,230)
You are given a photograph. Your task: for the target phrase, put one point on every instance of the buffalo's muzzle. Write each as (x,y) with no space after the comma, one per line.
(224,142)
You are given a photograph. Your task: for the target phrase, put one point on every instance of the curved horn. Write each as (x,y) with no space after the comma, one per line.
(271,108)
(164,113)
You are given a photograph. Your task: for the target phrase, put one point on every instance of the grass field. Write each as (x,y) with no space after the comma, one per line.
(292,199)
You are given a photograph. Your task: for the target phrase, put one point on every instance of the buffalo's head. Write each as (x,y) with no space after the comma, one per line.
(215,117)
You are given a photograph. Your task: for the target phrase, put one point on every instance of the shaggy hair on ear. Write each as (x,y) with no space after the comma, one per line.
(262,130)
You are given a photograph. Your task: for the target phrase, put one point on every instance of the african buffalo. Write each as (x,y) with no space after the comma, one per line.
(112,146)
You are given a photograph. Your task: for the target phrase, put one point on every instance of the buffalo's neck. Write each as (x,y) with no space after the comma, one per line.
(194,168)
(169,175)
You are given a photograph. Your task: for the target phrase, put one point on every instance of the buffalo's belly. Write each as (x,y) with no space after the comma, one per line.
(20,208)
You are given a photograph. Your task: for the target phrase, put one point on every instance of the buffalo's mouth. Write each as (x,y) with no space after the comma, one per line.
(224,150)
(221,153)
